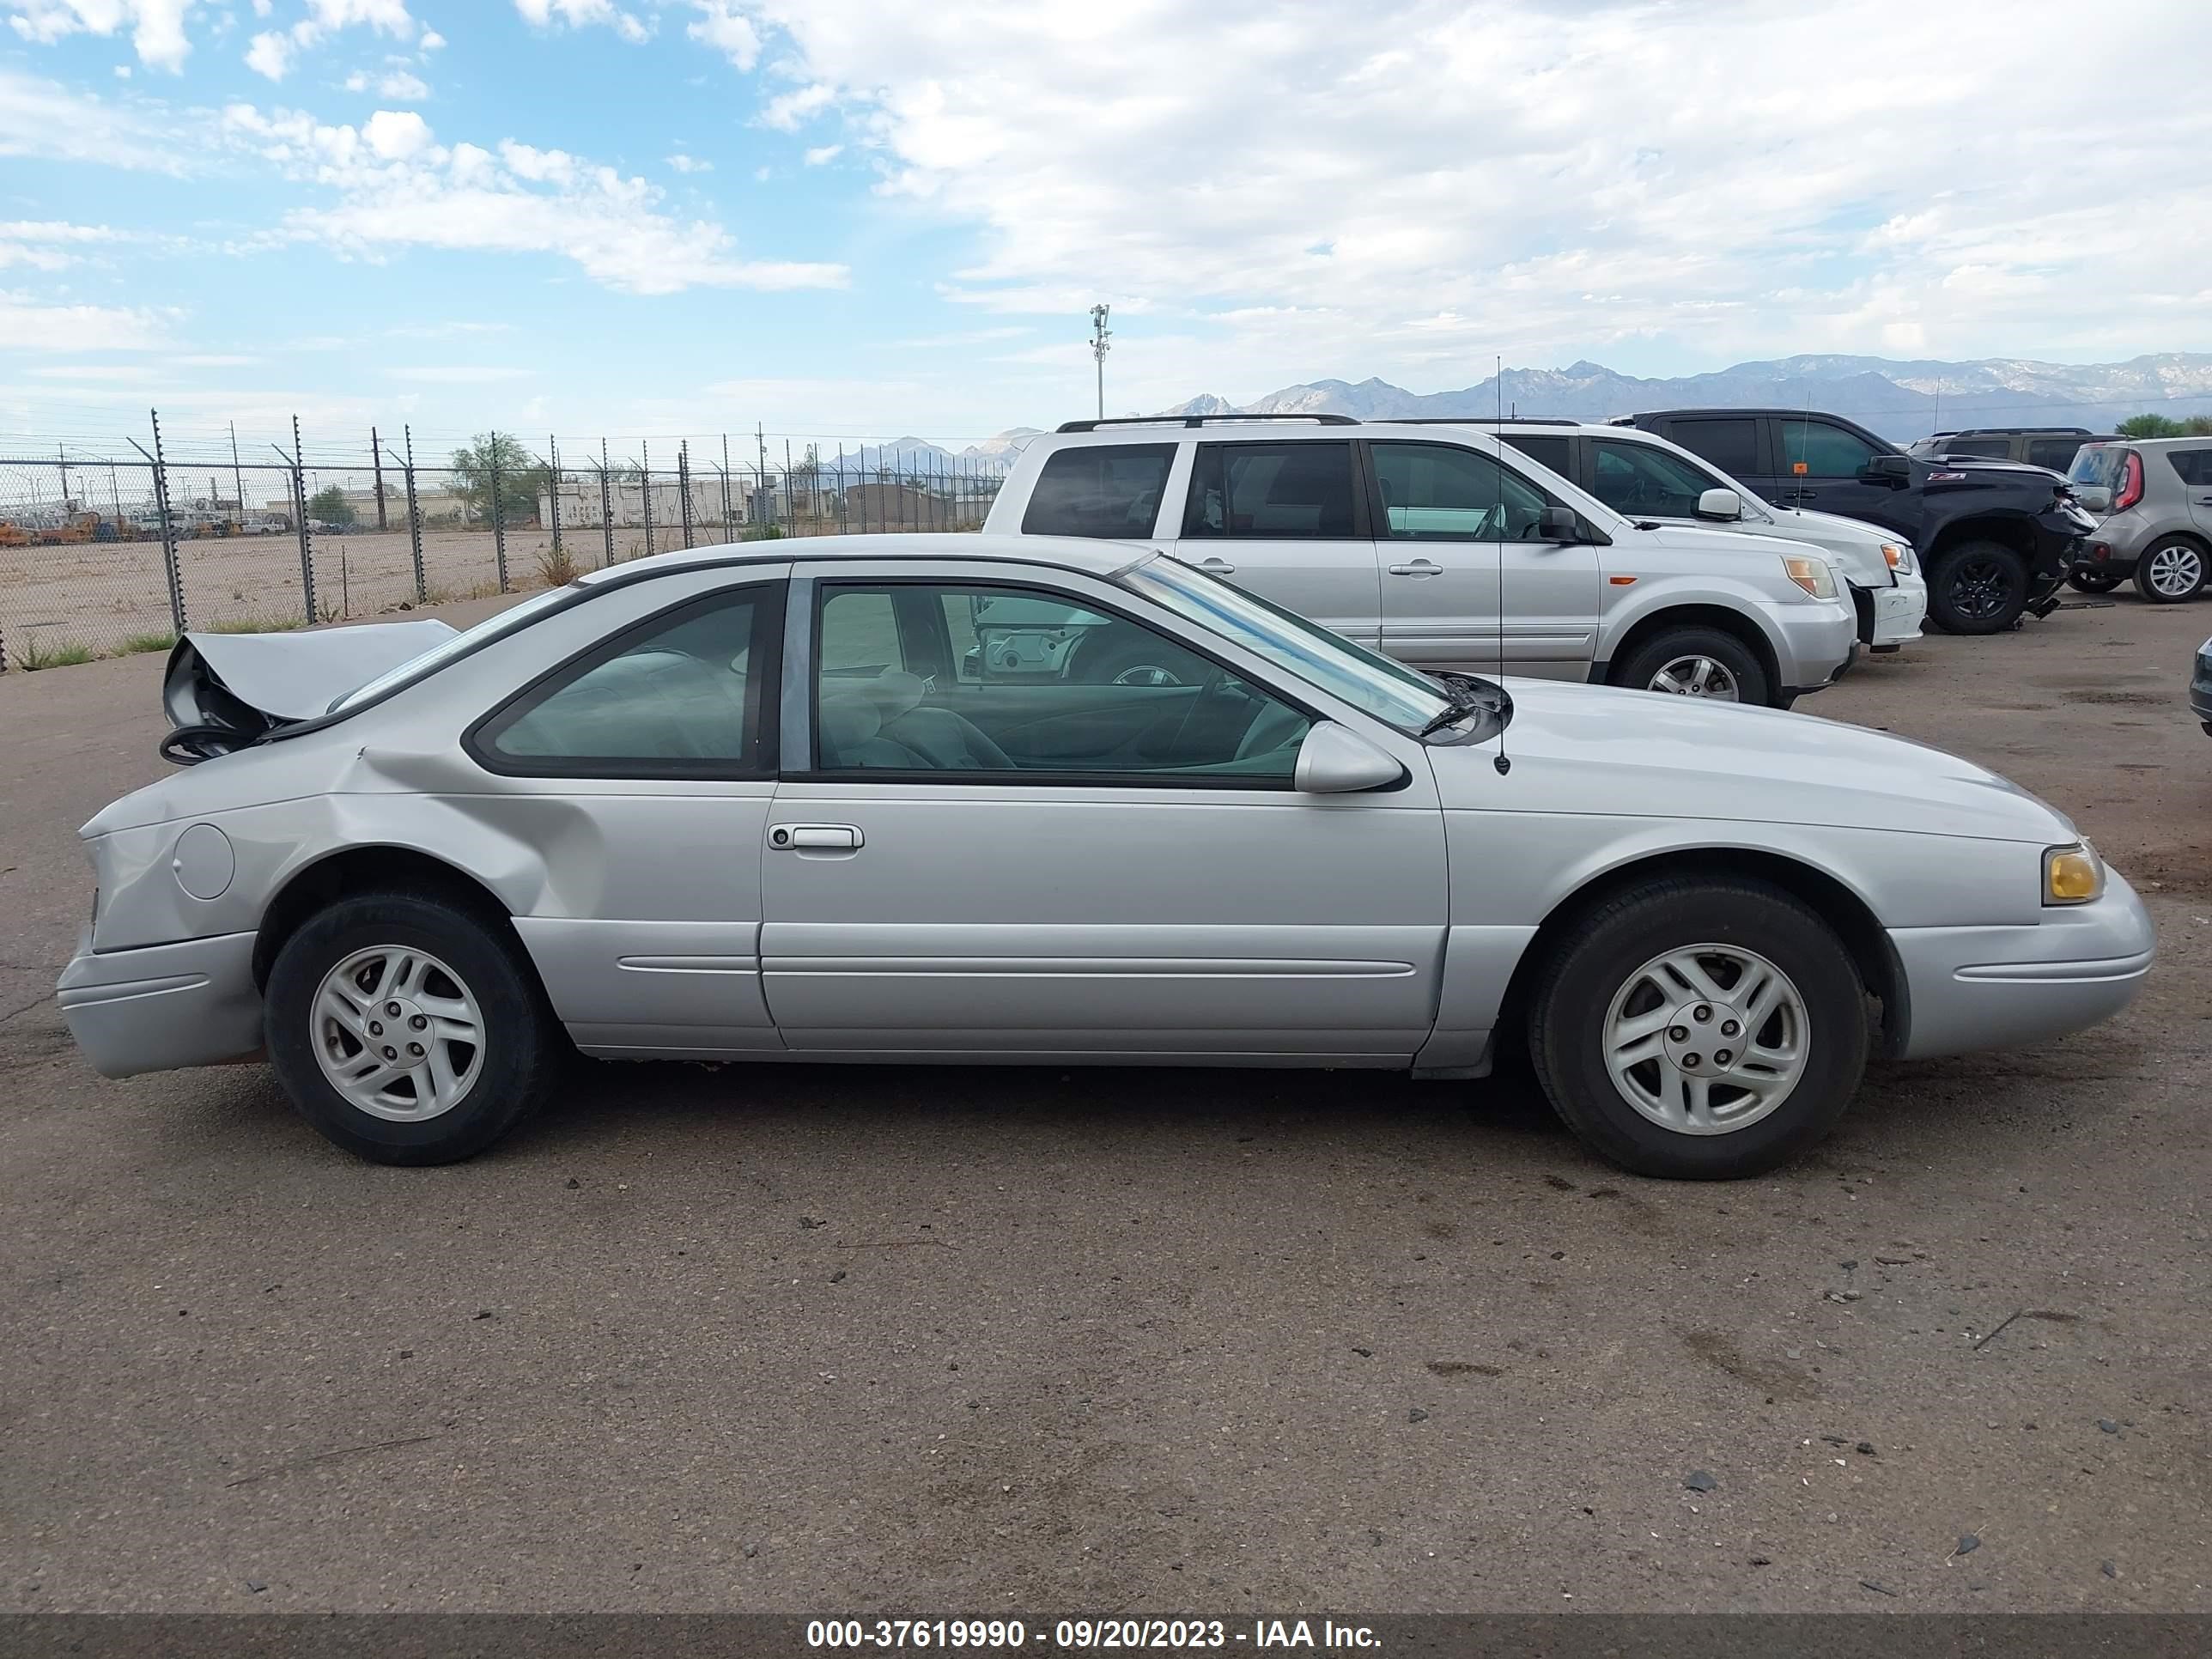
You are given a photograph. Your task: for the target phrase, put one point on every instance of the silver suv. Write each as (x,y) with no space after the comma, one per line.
(2153,496)
(1448,549)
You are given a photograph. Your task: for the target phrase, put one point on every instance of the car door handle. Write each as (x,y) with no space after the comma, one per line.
(814,837)
(1418,568)
(1217,566)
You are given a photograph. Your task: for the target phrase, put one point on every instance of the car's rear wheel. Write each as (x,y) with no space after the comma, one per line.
(409,1028)
(2094,582)
(1690,661)
(1977,587)
(1700,1030)
(2170,571)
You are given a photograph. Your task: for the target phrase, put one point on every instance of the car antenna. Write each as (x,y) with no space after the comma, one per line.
(1501,760)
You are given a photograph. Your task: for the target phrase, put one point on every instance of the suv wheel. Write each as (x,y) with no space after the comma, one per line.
(1695,662)
(2170,571)
(2094,582)
(1700,1030)
(407,1029)
(1977,587)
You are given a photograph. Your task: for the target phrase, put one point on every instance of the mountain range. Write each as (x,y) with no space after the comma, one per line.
(1899,400)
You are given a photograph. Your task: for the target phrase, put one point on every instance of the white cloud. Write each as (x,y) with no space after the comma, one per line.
(585,13)
(157,26)
(683,163)
(431,40)
(270,53)
(396,187)
(460,373)
(391,83)
(40,120)
(28,324)
(822,154)
(45,244)
(727,30)
(1441,182)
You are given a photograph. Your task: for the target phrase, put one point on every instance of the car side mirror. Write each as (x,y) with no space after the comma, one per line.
(2094,498)
(1723,504)
(1894,471)
(1559,523)
(1334,760)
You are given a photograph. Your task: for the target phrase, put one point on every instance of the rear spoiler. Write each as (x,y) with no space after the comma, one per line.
(224,691)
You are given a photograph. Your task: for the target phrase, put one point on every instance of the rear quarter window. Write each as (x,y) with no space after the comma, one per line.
(1730,445)
(2195,466)
(1106,491)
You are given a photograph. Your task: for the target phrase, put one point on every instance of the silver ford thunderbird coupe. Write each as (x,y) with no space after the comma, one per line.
(979,799)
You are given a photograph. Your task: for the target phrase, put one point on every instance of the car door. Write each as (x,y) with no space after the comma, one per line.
(2195,468)
(1457,535)
(1288,520)
(642,769)
(1821,461)
(994,852)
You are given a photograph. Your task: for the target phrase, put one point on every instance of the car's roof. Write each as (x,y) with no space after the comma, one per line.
(2148,443)
(1092,557)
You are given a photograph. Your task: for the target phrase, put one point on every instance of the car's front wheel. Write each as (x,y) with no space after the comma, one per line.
(1978,587)
(409,1028)
(1694,661)
(2170,571)
(1699,1029)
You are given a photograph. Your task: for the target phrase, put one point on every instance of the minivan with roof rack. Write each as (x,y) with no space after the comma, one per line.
(1446,548)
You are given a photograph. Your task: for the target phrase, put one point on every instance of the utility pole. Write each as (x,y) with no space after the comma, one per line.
(376,461)
(1100,337)
(237,475)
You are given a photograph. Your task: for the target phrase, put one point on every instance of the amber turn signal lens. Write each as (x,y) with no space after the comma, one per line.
(2072,875)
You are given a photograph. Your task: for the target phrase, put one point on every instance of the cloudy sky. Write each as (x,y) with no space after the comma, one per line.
(852,218)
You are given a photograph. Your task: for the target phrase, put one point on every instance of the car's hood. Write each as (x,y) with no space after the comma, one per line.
(245,684)
(1830,529)
(1745,543)
(1584,748)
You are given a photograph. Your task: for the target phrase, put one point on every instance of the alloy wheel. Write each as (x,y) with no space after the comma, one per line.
(1979,589)
(2176,570)
(398,1033)
(1707,1039)
(1698,677)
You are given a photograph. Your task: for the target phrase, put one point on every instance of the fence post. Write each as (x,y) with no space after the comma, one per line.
(415,523)
(170,569)
(607,506)
(553,493)
(644,490)
(498,516)
(683,486)
(299,517)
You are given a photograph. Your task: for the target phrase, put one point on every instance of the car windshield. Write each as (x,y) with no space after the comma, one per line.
(1368,681)
(460,645)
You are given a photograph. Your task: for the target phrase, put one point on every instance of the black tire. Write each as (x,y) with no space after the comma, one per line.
(523,1042)
(2094,582)
(1576,987)
(1977,587)
(2163,562)
(1689,641)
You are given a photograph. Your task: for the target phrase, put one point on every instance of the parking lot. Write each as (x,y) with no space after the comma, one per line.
(845,1340)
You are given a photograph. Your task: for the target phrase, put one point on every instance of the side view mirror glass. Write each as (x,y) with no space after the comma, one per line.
(1722,505)
(1334,760)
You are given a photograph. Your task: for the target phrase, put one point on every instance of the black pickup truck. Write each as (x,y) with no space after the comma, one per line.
(1995,538)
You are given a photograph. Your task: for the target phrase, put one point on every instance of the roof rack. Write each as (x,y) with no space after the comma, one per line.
(1197,420)
(1477,419)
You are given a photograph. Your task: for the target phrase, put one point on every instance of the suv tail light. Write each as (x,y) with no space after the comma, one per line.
(2132,482)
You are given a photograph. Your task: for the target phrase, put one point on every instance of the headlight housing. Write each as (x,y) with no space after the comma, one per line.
(1816,576)
(2072,874)
(1898,556)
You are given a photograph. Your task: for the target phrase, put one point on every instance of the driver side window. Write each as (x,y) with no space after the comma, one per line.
(1639,480)
(1436,492)
(952,683)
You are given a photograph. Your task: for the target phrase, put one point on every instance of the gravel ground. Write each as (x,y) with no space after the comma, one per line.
(972,1341)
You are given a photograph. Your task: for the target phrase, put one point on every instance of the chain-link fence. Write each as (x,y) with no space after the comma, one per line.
(99,557)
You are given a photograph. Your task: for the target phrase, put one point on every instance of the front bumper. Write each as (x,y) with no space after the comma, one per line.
(1891,616)
(1969,989)
(164,1006)
(1815,645)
